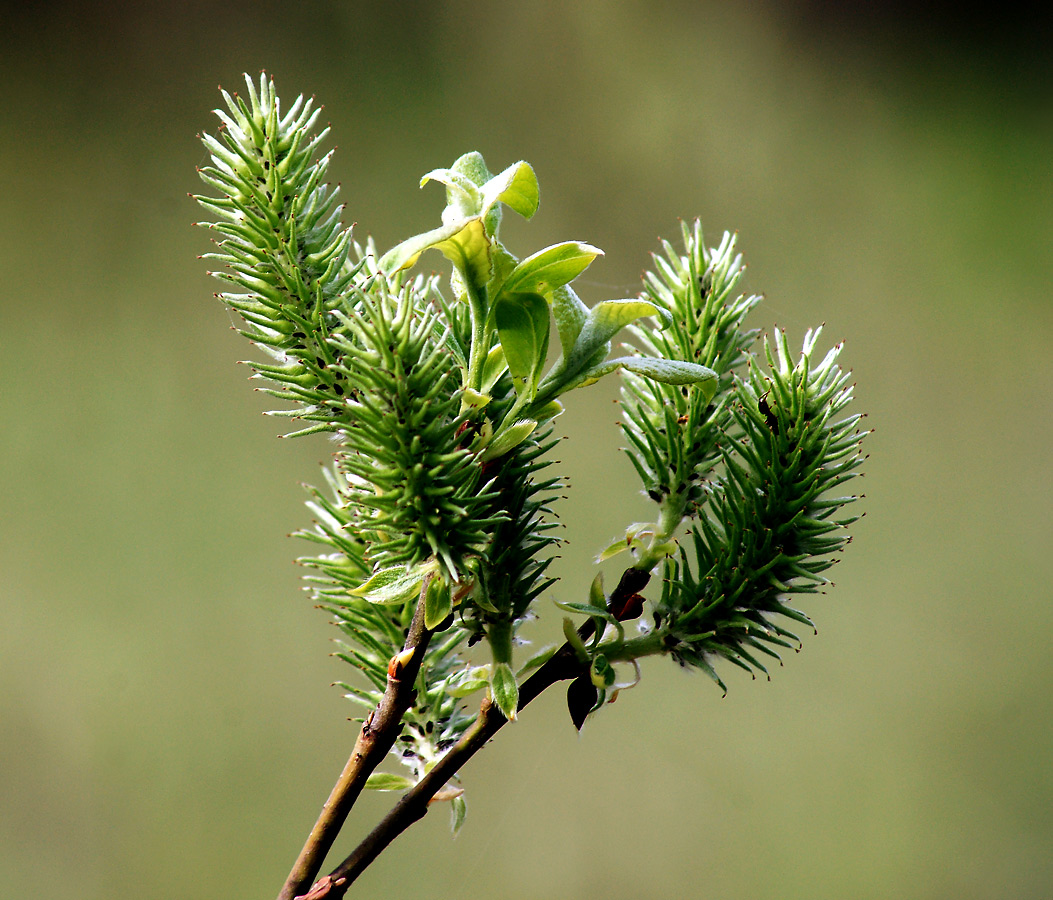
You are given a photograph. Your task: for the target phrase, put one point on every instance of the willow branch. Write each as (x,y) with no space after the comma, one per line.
(413,805)
(375,740)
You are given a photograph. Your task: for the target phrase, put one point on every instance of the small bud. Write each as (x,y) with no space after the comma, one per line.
(581,699)
(630,608)
(398,662)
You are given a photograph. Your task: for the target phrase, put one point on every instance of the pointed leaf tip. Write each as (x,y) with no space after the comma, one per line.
(551,268)
(516,187)
(505,691)
(395,584)
(458,812)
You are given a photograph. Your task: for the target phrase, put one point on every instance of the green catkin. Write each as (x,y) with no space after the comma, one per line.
(768,529)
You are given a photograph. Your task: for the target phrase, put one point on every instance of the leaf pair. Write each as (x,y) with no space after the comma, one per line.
(523,326)
(512,300)
(520,310)
(471,216)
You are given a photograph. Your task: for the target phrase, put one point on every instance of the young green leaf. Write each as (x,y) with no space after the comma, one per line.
(473,166)
(516,187)
(537,660)
(570,315)
(573,638)
(522,324)
(437,604)
(612,550)
(462,194)
(547,411)
(385,781)
(458,811)
(406,253)
(508,439)
(472,681)
(551,268)
(589,609)
(634,535)
(603,321)
(469,251)
(463,242)
(472,399)
(601,672)
(493,368)
(667,371)
(596,595)
(504,690)
(395,584)
(671,371)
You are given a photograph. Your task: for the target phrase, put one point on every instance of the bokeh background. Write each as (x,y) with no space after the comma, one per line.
(166,726)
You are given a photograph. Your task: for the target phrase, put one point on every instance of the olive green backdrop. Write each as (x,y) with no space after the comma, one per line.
(166,726)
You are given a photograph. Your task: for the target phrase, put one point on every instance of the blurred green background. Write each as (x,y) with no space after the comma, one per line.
(166,729)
